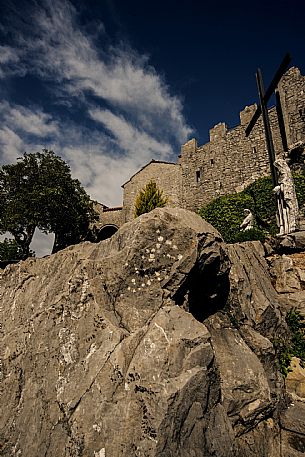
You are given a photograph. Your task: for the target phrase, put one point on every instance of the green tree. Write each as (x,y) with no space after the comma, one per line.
(149,198)
(38,191)
(10,250)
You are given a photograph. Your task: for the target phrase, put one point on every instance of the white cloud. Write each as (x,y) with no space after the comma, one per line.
(31,121)
(7,55)
(11,144)
(129,138)
(64,51)
(42,244)
(138,118)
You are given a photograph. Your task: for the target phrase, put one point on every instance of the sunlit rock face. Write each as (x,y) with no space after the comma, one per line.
(126,348)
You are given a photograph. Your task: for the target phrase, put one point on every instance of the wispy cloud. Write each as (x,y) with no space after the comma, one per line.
(30,121)
(129,114)
(11,144)
(8,55)
(128,137)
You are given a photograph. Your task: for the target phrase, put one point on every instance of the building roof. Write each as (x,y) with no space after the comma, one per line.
(152,161)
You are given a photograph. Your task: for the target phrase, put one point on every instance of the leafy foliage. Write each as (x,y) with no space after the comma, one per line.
(296,323)
(10,250)
(264,203)
(149,198)
(295,346)
(299,182)
(38,191)
(226,213)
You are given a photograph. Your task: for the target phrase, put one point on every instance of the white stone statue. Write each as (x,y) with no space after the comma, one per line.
(287,204)
(247,223)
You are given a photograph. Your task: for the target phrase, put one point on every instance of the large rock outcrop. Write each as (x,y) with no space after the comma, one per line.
(130,347)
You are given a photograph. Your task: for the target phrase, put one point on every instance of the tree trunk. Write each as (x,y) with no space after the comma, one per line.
(24,239)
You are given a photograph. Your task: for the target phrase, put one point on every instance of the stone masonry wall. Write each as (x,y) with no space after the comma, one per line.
(292,94)
(167,177)
(227,164)
(109,216)
(230,161)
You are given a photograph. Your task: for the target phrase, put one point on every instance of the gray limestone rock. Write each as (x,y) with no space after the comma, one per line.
(144,345)
(97,359)
(253,301)
(293,434)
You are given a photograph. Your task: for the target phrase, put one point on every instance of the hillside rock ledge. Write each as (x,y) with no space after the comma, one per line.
(153,343)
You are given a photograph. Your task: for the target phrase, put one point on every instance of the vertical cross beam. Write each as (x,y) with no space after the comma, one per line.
(268,134)
(280,118)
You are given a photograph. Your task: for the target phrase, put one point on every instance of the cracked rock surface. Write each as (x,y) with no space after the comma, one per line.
(126,348)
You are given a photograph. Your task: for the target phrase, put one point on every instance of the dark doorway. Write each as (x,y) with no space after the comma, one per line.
(106,232)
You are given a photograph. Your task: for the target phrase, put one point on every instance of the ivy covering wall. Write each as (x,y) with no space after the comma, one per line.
(226,213)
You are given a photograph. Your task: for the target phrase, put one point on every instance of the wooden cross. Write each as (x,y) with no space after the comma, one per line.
(262,109)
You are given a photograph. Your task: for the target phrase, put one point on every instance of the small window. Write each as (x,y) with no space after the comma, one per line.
(212,161)
(198,176)
(254,150)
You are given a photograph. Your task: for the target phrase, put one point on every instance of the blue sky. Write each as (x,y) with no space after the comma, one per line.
(111,84)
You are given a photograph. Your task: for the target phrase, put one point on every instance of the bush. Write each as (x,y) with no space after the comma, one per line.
(294,346)
(148,199)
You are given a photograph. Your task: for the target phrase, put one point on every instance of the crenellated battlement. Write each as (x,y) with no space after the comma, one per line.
(229,161)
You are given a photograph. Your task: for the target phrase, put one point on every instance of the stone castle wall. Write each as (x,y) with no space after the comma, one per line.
(167,177)
(228,163)
(109,216)
(292,93)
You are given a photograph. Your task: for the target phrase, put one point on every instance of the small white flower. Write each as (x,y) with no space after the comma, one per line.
(180,256)
(160,238)
(133,281)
